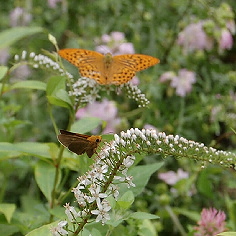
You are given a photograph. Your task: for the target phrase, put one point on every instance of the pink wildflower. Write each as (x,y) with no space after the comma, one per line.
(4,56)
(193,37)
(115,43)
(226,40)
(106,110)
(171,177)
(53,3)
(182,82)
(20,17)
(230,24)
(212,222)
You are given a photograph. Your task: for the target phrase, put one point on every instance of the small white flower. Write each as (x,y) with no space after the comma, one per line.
(80,197)
(102,212)
(84,181)
(117,138)
(158,142)
(95,192)
(128,161)
(101,170)
(148,143)
(133,137)
(114,190)
(121,179)
(71,212)
(129,182)
(137,131)
(128,134)
(58,230)
(16,57)
(122,141)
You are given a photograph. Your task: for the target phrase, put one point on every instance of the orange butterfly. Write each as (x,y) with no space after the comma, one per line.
(79,143)
(107,69)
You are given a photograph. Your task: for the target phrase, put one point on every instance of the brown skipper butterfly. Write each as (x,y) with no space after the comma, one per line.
(79,143)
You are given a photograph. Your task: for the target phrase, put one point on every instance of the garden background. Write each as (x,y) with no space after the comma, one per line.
(191,93)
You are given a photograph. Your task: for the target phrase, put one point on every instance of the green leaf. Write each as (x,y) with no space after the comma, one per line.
(30,148)
(7,210)
(8,230)
(29,84)
(43,231)
(45,176)
(126,200)
(195,216)
(86,124)
(95,232)
(63,95)
(10,36)
(58,211)
(56,93)
(8,150)
(146,229)
(227,234)
(141,175)
(143,216)
(204,184)
(54,84)
(34,148)
(57,102)
(3,71)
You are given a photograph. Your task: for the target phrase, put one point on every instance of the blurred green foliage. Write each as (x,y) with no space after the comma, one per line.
(153,28)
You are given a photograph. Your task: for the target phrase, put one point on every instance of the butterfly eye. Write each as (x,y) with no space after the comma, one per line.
(97,140)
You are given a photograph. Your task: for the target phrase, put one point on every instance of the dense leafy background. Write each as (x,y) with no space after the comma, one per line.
(27,135)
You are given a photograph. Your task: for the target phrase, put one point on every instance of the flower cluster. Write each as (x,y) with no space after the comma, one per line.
(41,61)
(53,3)
(150,141)
(135,93)
(20,17)
(115,43)
(193,37)
(203,34)
(171,177)
(212,222)
(99,183)
(115,158)
(182,82)
(106,110)
(87,91)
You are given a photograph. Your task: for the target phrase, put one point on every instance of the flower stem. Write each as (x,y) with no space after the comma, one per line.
(175,220)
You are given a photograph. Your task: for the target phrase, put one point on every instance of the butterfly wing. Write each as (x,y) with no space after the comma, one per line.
(66,137)
(78,147)
(62,131)
(79,143)
(124,67)
(90,63)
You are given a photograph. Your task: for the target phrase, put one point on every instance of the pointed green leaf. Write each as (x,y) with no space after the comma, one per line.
(29,84)
(141,175)
(43,231)
(86,124)
(45,177)
(3,71)
(54,84)
(7,210)
(126,200)
(12,35)
(143,215)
